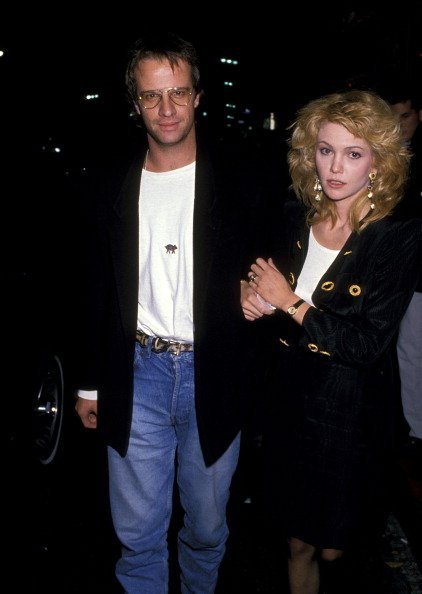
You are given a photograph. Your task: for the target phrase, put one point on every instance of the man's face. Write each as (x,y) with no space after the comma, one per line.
(167,123)
(409,118)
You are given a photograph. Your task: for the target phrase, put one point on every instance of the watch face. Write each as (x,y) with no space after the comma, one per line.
(291,310)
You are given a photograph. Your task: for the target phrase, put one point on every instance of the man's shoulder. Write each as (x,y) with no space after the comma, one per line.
(106,173)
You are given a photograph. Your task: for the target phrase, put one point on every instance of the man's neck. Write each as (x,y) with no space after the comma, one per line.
(161,158)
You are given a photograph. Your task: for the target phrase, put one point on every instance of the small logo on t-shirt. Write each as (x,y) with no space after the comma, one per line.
(170,249)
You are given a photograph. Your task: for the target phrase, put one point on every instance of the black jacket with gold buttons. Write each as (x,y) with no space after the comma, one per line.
(361,298)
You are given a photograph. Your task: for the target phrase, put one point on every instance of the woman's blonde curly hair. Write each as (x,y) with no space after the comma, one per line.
(365,115)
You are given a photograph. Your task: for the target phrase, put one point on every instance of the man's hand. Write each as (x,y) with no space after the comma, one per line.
(87,411)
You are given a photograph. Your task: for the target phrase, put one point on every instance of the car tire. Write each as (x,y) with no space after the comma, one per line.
(48,411)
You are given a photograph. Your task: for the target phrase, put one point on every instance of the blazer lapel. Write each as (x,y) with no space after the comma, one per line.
(124,244)
(297,254)
(206,226)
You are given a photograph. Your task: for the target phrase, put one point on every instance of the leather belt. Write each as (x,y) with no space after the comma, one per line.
(161,345)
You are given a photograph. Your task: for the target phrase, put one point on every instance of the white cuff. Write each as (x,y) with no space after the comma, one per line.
(87,394)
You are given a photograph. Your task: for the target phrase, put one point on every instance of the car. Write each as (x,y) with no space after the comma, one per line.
(35,417)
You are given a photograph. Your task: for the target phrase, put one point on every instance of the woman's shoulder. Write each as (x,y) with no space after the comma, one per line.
(396,226)
(288,226)
(392,238)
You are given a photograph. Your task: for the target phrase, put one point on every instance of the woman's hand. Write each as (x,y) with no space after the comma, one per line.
(268,282)
(252,308)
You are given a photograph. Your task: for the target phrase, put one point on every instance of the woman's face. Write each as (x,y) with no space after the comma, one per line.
(343,162)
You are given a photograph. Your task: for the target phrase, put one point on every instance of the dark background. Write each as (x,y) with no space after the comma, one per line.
(54,57)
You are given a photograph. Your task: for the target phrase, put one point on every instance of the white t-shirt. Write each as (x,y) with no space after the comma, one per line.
(317,261)
(165,298)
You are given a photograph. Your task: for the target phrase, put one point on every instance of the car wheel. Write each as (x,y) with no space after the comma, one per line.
(48,409)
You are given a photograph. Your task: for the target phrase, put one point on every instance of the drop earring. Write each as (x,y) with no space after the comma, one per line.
(317,189)
(372,177)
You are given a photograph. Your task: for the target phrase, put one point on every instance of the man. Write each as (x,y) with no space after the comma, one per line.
(407,104)
(167,336)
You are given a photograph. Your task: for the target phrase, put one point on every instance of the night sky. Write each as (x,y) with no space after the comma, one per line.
(54,58)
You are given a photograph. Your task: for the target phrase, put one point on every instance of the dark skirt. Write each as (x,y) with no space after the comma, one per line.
(327,439)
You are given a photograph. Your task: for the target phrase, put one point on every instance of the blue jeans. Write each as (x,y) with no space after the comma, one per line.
(141,483)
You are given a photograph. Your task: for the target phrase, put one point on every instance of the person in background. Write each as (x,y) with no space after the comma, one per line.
(162,355)
(340,284)
(406,102)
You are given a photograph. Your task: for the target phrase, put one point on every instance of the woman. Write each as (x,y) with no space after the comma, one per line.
(343,279)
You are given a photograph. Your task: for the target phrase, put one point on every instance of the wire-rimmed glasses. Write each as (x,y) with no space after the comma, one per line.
(179,95)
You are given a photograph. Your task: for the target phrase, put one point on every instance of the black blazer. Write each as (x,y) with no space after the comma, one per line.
(361,298)
(230,201)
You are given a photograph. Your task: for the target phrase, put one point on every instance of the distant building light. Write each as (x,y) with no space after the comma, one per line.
(240,121)
(270,123)
(49,147)
(228,83)
(247,110)
(205,114)
(229,117)
(92,96)
(228,125)
(231,105)
(229,61)
(1,53)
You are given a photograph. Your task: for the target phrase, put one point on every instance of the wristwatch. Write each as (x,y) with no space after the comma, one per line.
(293,308)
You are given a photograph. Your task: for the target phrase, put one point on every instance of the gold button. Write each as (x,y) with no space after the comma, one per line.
(291,278)
(347,253)
(284,341)
(313,347)
(355,290)
(299,245)
(325,353)
(327,286)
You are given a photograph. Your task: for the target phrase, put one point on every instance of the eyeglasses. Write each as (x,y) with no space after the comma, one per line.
(179,96)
